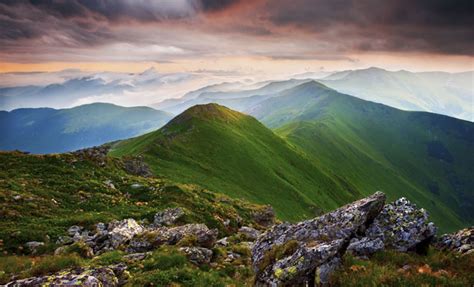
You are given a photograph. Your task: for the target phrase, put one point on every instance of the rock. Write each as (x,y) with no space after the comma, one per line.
(249,232)
(323,272)
(461,241)
(232,256)
(288,254)
(73,230)
(137,166)
(136,186)
(203,236)
(104,276)
(400,226)
(265,217)
(197,255)
(168,217)
(64,240)
(122,231)
(223,242)
(33,246)
(109,184)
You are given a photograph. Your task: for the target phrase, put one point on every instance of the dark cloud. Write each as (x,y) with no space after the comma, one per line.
(442,26)
(316,28)
(216,5)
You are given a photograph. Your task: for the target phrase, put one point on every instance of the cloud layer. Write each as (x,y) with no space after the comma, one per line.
(140,30)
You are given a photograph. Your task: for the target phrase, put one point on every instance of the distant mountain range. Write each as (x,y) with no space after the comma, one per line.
(46,130)
(450,94)
(326,148)
(444,93)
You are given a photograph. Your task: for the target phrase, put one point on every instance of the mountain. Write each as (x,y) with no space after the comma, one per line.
(425,157)
(58,94)
(229,95)
(438,92)
(234,154)
(46,130)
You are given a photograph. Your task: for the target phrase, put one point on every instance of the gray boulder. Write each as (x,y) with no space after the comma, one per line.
(249,232)
(289,254)
(400,226)
(168,217)
(122,231)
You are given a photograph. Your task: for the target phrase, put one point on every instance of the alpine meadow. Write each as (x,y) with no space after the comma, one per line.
(236,143)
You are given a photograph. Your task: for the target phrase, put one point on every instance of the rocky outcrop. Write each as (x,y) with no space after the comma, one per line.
(194,234)
(93,277)
(289,254)
(461,241)
(137,166)
(400,226)
(97,154)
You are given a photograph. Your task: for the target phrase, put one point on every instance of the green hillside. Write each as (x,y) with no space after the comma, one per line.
(425,157)
(232,153)
(46,130)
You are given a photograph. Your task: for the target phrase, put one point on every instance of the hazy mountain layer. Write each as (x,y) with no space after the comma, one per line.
(438,92)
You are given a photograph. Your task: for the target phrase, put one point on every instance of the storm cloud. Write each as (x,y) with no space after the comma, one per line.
(45,30)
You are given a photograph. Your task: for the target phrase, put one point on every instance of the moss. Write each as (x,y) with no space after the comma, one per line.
(188,240)
(278,252)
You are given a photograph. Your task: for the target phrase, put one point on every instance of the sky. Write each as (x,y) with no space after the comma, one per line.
(236,37)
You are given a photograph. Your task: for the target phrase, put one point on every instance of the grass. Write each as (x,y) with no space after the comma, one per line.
(390,268)
(234,154)
(424,157)
(41,196)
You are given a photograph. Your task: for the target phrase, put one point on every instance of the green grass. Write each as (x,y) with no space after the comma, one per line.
(41,196)
(425,157)
(391,268)
(234,154)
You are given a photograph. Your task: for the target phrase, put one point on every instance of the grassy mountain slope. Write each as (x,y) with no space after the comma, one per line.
(47,130)
(232,153)
(425,157)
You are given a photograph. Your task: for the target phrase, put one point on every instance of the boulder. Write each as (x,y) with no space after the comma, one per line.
(104,276)
(168,217)
(197,255)
(73,230)
(461,241)
(201,234)
(249,232)
(289,254)
(122,231)
(400,226)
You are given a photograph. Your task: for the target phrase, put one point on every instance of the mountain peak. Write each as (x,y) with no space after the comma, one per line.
(210,111)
